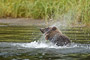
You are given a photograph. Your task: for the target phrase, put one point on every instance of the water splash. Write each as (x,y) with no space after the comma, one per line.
(44,48)
(48,45)
(43,45)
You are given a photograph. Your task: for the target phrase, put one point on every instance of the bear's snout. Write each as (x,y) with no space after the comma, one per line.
(42,30)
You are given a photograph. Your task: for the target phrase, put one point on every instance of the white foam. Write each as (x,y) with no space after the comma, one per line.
(42,45)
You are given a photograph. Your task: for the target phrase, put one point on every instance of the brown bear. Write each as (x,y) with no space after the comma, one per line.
(54,35)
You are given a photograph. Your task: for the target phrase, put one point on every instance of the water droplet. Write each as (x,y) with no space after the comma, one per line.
(43,53)
(40,56)
(88,34)
(25,59)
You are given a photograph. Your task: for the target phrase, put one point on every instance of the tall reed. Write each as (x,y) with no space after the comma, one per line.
(76,10)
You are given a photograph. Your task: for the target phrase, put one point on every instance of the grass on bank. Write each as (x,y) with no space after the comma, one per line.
(70,10)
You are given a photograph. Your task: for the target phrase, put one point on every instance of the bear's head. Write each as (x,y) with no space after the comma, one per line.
(48,30)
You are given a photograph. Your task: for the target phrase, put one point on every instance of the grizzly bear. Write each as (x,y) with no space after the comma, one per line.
(54,35)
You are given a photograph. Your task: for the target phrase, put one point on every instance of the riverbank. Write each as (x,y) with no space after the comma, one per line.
(21,22)
(37,22)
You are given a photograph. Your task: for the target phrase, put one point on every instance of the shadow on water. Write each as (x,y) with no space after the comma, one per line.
(24,43)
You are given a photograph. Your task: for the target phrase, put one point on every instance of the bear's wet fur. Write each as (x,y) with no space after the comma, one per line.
(54,35)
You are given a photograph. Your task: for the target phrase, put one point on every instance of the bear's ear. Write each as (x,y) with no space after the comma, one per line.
(54,28)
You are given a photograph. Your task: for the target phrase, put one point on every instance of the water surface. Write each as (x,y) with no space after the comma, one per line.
(28,43)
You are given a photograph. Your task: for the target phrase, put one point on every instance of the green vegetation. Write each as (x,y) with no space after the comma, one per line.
(76,10)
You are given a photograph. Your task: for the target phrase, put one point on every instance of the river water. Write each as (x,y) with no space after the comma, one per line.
(28,43)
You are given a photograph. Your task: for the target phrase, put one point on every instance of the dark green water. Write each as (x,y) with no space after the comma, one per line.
(21,43)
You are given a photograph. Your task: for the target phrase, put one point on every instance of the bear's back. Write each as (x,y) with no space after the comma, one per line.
(60,39)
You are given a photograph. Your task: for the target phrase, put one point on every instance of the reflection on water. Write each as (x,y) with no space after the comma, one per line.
(24,43)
